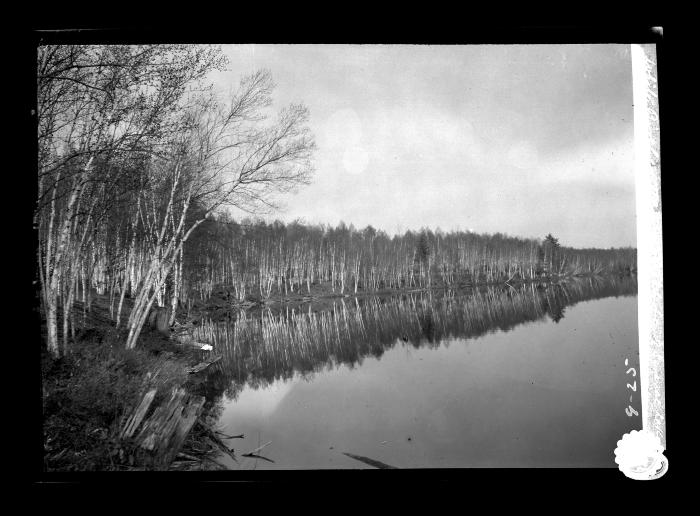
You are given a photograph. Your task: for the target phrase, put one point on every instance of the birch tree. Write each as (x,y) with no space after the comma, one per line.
(98,108)
(230,155)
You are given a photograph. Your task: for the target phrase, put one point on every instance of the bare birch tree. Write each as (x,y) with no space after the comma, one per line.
(229,155)
(98,107)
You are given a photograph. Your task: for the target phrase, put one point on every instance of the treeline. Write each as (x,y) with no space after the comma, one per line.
(260,259)
(135,151)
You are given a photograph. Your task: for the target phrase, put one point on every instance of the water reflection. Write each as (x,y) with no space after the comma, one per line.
(262,348)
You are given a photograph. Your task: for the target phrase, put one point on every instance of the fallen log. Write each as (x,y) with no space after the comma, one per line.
(371,462)
(187,457)
(254,456)
(203,365)
(193,463)
(164,432)
(253,452)
(218,442)
(239,436)
(185,338)
(135,420)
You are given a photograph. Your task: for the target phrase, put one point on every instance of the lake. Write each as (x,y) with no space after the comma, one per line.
(523,376)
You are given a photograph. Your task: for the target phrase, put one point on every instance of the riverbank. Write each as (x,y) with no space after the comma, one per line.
(89,393)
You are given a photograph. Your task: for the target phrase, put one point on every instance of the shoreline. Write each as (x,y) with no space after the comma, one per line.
(321,297)
(88,394)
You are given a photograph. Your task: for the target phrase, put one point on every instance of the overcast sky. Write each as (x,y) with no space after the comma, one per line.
(518,139)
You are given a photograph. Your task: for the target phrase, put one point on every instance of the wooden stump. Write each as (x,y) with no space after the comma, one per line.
(158,319)
(164,432)
(135,420)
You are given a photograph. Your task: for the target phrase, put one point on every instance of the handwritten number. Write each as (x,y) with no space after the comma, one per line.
(629,410)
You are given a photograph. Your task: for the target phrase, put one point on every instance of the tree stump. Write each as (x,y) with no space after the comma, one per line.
(158,319)
(164,432)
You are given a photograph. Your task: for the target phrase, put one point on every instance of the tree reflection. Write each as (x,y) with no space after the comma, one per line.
(260,349)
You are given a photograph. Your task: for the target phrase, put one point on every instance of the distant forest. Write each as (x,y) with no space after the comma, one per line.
(260,259)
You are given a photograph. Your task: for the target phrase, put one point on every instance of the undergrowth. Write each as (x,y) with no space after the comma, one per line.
(88,393)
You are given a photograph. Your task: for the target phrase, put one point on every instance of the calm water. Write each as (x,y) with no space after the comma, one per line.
(504,377)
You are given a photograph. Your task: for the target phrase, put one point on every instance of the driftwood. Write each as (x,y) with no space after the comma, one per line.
(185,456)
(253,452)
(187,462)
(218,442)
(186,339)
(371,462)
(203,365)
(254,456)
(239,436)
(164,432)
(135,419)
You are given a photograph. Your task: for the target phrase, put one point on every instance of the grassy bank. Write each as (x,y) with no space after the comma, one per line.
(88,393)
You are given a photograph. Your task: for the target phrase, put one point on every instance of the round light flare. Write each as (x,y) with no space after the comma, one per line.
(344,141)
(523,155)
(355,160)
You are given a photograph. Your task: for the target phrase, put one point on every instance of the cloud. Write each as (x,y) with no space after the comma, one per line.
(260,403)
(522,139)
(423,134)
(604,164)
(522,155)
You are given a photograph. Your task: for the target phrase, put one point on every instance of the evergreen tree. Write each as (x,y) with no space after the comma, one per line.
(423,248)
(551,253)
